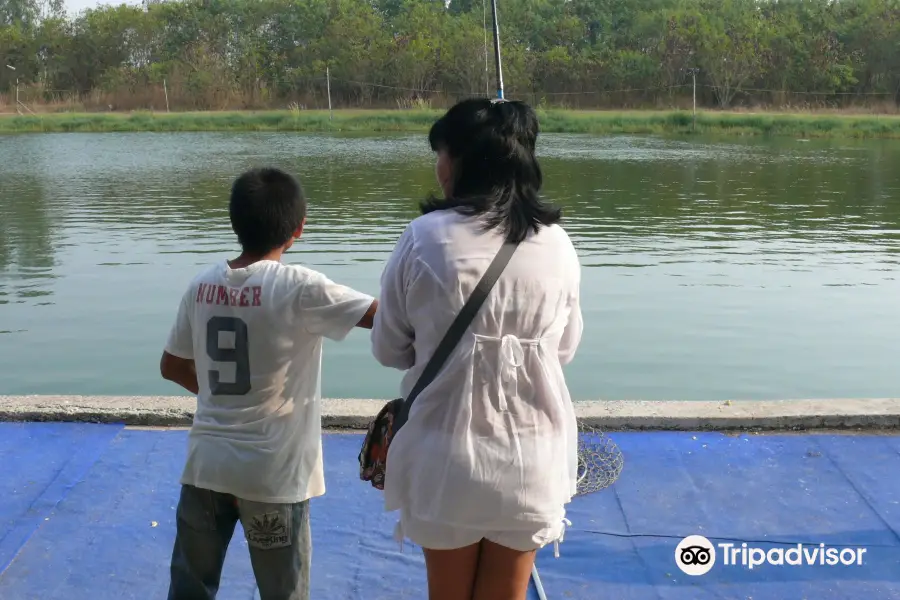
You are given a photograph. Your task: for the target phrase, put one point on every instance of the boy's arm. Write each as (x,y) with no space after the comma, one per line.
(368,319)
(179,370)
(332,310)
(177,362)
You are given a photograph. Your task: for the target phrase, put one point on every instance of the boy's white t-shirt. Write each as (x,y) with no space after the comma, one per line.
(255,335)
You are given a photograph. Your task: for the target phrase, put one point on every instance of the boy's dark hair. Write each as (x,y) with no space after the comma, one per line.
(266,208)
(495,172)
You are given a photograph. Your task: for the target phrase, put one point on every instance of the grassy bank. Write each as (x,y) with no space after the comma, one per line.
(553,121)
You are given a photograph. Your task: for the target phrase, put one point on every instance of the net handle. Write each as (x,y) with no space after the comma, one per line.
(582,466)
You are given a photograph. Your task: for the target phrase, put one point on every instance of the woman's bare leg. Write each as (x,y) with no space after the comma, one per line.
(451,573)
(503,573)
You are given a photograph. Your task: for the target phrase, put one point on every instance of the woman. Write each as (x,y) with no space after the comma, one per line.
(487,460)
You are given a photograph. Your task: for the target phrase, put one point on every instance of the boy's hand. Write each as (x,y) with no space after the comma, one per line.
(180,371)
(368,319)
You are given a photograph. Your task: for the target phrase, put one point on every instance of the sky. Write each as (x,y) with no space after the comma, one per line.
(75,6)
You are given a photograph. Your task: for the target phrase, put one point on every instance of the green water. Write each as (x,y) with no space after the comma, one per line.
(713,269)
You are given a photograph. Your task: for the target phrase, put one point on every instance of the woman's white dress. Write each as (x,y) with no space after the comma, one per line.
(491,444)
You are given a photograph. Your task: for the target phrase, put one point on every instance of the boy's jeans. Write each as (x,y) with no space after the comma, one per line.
(278,536)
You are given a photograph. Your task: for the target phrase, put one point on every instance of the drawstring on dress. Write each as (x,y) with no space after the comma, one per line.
(562,535)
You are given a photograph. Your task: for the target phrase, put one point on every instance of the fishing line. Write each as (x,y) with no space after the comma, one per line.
(487,77)
(600,463)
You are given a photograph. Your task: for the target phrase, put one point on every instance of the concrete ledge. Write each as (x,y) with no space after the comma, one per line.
(791,415)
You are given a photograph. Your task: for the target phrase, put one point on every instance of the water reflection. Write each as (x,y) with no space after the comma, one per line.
(27,242)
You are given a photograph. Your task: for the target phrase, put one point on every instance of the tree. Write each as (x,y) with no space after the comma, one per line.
(271,53)
(730,42)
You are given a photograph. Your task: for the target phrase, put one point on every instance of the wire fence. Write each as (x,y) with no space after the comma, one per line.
(307,93)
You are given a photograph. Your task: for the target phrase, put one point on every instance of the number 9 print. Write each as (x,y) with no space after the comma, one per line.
(239,356)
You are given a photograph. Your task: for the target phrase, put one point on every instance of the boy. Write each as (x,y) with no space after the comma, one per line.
(248,342)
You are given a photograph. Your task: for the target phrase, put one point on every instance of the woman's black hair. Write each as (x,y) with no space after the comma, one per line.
(495,172)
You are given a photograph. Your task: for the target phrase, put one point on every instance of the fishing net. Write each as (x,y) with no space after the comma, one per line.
(600,461)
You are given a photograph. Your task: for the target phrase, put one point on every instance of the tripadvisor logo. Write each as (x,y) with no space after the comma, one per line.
(696,555)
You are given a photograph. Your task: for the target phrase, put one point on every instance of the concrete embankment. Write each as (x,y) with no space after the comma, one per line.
(168,411)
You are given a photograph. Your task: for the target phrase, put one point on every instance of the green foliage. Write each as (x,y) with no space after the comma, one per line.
(421,117)
(245,54)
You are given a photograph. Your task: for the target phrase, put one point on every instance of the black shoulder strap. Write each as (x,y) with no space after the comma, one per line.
(457,328)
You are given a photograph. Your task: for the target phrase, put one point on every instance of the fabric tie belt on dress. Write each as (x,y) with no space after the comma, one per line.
(512,356)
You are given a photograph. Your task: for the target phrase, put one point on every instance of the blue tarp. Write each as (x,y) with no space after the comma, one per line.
(87,511)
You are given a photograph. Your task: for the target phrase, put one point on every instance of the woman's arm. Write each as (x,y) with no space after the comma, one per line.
(392,333)
(571,337)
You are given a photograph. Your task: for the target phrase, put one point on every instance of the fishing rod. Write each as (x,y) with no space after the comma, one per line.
(497,51)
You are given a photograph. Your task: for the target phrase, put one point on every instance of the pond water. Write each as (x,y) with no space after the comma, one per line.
(713,268)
